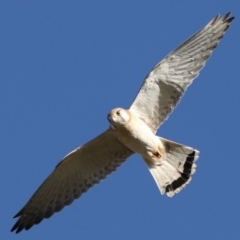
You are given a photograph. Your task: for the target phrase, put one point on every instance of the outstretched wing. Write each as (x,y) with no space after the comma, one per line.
(74,175)
(167,82)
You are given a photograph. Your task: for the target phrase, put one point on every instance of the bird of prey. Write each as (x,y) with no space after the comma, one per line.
(133,131)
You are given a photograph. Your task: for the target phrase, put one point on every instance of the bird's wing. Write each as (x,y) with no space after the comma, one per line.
(74,175)
(167,82)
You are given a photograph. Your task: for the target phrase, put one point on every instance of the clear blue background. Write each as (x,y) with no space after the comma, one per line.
(64,65)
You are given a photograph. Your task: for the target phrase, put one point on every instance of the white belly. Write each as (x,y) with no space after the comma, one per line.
(138,137)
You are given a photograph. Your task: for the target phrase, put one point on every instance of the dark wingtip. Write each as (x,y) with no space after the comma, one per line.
(214,19)
(226,19)
(19,230)
(230,19)
(18,214)
(17,226)
(226,16)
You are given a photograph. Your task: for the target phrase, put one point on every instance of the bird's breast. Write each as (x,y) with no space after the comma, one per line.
(138,137)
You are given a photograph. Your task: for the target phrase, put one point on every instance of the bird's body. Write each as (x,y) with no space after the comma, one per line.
(136,135)
(133,131)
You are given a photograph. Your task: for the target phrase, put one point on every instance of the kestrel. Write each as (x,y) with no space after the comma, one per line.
(133,131)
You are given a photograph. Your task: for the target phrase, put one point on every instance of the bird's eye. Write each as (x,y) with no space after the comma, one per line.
(118,112)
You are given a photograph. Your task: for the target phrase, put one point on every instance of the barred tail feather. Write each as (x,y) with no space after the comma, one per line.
(174,172)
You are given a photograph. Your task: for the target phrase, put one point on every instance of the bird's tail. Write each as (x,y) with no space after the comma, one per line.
(174,172)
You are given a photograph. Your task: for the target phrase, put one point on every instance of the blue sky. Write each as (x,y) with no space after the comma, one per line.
(65,64)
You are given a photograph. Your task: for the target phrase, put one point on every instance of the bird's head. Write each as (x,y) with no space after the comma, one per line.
(118,117)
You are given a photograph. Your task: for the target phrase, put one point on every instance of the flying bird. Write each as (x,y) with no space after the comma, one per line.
(133,131)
